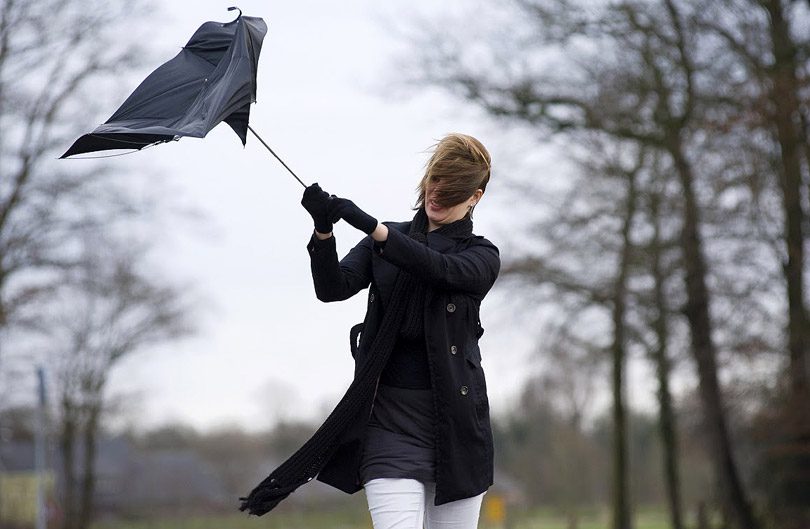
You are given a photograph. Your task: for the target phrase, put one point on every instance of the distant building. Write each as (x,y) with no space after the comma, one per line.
(18,484)
(127,481)
(167,479)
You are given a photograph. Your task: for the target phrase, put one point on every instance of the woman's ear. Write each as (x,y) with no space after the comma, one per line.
(476,197)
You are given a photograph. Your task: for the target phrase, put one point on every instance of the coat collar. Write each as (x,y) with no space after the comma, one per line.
(455,231)
(442,242)
(441,239)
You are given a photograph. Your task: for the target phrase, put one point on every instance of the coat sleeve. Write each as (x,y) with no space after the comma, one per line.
(336,281)
(472,270)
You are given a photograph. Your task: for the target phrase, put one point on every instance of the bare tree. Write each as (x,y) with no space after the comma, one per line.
(659,322)
(621,513)
(56,57)
(108,308)
(611,199)
(786,117)
(766,40)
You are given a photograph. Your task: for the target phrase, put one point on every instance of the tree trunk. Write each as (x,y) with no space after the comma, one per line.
(787,121)
(85,503)
(1,365)
(703,349)
(67,445)
(702,516)
(622,518)
(788,461)
(666,420)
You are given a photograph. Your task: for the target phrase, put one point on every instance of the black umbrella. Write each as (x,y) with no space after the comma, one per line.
(212,79)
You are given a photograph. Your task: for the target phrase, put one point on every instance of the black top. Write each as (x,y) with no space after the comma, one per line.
(407,366)
(400,436)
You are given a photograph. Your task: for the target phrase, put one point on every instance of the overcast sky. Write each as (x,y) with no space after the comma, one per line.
(267,348)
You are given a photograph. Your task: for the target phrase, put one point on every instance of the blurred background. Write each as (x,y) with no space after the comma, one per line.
(647,345)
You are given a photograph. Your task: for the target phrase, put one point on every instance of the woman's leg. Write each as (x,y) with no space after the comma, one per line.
(459,514)
(396,503)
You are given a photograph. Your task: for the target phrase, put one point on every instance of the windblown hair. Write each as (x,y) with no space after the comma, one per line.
(460,164)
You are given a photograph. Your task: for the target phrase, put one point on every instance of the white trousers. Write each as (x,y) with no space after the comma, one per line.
(408,504)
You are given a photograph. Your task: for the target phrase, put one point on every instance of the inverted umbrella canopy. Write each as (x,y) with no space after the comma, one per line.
(212,79)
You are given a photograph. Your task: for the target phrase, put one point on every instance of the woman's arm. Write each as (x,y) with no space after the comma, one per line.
(333,280)
(473,270)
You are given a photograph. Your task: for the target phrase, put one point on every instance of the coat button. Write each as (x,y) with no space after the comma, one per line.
(451,307)
(371,298)
(453,349)
(464,390)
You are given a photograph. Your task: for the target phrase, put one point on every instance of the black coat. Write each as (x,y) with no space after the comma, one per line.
(458,272)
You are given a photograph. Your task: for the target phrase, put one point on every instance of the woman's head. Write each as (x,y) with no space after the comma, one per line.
(455,178)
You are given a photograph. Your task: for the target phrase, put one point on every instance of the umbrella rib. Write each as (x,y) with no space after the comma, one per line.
(276,155)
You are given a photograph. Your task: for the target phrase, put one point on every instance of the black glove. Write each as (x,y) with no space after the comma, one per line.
(315,201)
(343,208)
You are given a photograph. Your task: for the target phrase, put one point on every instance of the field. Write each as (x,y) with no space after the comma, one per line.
(359,519)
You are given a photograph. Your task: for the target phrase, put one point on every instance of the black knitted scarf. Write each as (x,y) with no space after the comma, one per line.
(308,461)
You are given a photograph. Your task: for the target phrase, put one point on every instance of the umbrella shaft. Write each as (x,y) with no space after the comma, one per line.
(276,155)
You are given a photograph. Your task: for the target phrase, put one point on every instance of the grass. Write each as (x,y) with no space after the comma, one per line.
(278,519)
(354,518)
(592,519)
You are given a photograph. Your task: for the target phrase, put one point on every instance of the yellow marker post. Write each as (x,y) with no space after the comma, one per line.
(495,509)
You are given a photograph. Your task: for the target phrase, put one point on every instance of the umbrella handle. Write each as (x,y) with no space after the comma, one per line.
(276,155)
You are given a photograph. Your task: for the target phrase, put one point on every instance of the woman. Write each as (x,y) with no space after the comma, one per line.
(423,449)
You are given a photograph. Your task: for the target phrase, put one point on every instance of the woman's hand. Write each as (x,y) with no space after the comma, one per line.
(316,201)
(343,208)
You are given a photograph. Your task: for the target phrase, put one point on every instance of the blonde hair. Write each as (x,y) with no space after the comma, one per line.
(459,165)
